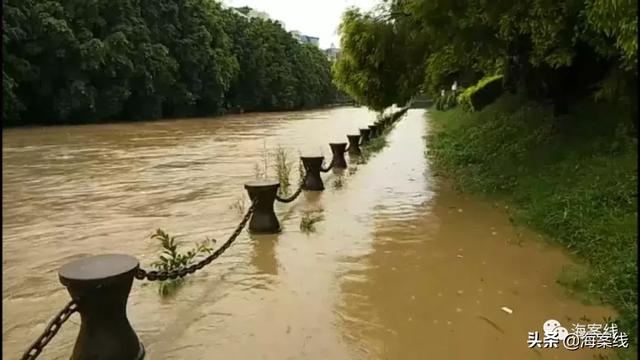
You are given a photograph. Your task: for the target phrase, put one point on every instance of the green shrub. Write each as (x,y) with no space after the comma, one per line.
(486,91)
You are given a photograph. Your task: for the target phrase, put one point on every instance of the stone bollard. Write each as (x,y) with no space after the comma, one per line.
(312,166)
(354,146)
(264,219)
(100,286)
(374,131)
(338,150)
(364,135)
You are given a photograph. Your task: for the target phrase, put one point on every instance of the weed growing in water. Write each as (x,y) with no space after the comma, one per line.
(172,258)
(338,182)
(301,172)
(308,221)
(283,169)
(239,205)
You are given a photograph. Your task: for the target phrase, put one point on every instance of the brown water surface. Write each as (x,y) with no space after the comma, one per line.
(401,266)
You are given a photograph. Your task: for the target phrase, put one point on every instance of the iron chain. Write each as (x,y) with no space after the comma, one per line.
(142,274)
(51,330)
(292,197)
(327,169)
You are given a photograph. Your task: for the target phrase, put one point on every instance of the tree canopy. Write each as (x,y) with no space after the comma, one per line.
(73,61)
(550,49)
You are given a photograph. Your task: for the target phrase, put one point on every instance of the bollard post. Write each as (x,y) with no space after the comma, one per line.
(374,131)
(364,135)
(100,285)
(312,166)
(338,150)
(354,146)
(264,219)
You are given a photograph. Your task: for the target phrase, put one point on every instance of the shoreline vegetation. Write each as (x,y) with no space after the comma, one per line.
(577,186)
(72,62)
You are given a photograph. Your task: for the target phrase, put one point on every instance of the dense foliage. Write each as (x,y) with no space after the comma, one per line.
(71,61)
(475,97)
(378,66)
(552,50)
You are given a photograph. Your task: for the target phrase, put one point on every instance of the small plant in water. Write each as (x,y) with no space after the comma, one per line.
(283,170)
(172,258)
(257,171)
(262,171)
(308,221)
(301,173)
(338,182)
(238,205)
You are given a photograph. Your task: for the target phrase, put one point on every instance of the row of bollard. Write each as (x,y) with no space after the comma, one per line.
(100,285)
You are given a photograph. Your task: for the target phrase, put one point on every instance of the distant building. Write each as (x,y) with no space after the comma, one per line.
(333,53)
(305,39)
(250,13)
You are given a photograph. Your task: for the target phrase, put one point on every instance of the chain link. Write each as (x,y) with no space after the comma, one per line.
(292,197)
(51,330)
(142,274)
(329,168)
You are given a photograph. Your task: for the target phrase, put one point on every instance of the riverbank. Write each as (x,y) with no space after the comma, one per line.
(212,116)
(572,179)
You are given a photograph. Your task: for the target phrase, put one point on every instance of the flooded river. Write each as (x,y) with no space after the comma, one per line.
(401,267)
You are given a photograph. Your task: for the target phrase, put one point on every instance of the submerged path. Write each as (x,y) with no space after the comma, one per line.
(401,267)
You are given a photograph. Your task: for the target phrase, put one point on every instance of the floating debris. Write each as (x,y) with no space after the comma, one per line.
(507,310)
(460,292)
(459,256)
(493,324)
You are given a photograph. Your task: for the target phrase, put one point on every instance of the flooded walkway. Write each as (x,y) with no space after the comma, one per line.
(401,267)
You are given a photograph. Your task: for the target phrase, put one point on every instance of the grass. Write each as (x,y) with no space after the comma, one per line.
(308,222)
(573,179)
(261,171)
(283,167)
(239,205)
(172,258)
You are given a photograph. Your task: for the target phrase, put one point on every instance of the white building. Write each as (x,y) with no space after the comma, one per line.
(305,39)
(333,53)
(249,13)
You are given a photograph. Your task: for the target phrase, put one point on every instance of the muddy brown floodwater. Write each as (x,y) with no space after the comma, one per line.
(401,267)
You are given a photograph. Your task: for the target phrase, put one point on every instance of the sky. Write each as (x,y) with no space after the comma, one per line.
(319,18)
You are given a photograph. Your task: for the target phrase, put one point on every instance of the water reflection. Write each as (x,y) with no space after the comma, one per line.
(264,254)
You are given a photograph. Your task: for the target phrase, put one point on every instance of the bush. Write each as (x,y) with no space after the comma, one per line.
(486,91)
